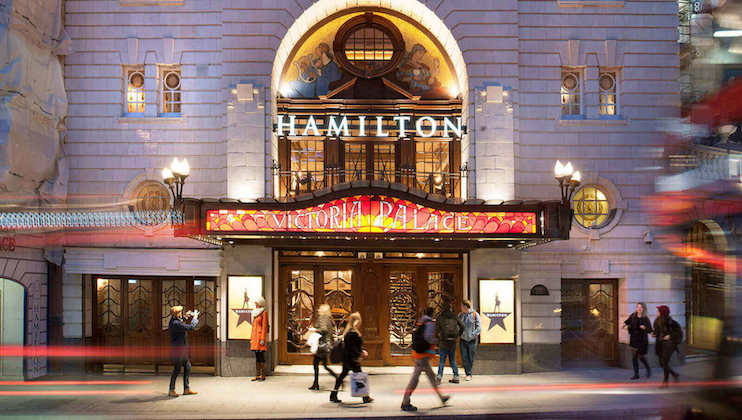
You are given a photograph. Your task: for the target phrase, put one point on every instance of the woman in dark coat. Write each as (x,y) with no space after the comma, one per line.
(639,329)
(326,329)
(669,335)
(353,353)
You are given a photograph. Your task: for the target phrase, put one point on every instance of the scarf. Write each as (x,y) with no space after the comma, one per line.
(256,312)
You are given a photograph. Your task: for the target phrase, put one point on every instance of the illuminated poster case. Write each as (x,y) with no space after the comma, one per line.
(497,311)
(242,292)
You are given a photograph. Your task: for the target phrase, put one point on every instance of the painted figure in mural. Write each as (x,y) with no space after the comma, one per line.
(315,73)
(414,71)
(245,299)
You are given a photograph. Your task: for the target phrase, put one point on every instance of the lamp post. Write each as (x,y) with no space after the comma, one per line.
(568,179)
(175,177)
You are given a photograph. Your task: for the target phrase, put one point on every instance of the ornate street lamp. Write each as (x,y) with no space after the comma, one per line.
(175,177)
(568,179)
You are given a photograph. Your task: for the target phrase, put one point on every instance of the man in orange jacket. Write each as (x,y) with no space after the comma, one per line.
(423,348)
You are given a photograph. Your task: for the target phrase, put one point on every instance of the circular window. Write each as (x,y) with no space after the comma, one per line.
(592,207)
(607,82)
(151,196)
(136,79)
(172,80)
(569,81)
(368,46)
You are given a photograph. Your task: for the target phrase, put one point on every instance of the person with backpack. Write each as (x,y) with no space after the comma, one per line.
(669,335)
(639,329)
(448,329)
(472,329)
(353,353)
(324,326)
(423,348)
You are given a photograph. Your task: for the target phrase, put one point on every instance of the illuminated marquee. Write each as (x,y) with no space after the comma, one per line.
(362,214)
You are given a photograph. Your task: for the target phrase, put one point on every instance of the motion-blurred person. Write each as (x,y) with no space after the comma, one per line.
(639,327)
(324,326)
(669,335)
(353,353)
(179,351)
(423,348)
(472,329)
(259,337)
(448,329)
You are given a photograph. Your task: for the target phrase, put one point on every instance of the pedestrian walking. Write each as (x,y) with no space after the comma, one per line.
(259,337)
(639,329)
(353,353)
(326,329)
(423,348)
(669,335)
(448,328)
(179,351)
(472,329)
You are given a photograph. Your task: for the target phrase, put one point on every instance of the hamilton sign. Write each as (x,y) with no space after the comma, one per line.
(368,126)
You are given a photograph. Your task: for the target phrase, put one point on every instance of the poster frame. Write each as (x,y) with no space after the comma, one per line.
(226,317)
(515,309)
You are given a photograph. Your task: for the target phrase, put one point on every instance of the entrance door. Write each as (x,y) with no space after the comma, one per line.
(12,322)
(589,322)
(387,290)
(134,312)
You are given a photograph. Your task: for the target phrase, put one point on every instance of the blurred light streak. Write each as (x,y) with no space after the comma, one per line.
(66,383)
(129,352)
(73,392)
(581,386)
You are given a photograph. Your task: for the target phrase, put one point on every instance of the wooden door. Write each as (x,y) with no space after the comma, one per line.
(139,312)
(203,339)
(108,316)
(369,297)
(589,322)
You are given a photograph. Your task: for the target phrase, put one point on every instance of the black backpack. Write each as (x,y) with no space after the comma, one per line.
(449,328)
(676,333)
(419,343)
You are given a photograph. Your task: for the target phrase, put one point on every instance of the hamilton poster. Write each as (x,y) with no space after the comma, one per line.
(242,292)
(497,311)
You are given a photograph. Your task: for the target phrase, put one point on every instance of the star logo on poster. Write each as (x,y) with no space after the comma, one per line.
(497,318)
(244,315)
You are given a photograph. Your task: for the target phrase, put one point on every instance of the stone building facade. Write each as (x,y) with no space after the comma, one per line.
(581,81)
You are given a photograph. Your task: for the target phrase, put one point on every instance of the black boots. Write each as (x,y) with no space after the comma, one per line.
(314,387)
(334,397)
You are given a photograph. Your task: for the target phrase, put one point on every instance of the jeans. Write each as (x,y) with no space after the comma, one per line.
(421,365)
(315,362)
(186,363)
(468,349)
(450,353)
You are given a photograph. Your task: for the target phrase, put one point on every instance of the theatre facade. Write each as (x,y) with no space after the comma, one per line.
(377,156)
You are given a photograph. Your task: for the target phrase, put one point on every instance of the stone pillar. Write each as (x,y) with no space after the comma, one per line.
(246,142)
(494,144)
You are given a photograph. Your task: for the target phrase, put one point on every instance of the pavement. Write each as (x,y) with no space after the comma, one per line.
(596,393)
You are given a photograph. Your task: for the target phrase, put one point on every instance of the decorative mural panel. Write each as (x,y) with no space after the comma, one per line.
(367,214)
(242,292)
(314,70)
(403,307)
(497,311)
(300,309)
(338,294)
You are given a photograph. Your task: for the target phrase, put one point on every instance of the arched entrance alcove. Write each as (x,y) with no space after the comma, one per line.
(411,11)
(12,323)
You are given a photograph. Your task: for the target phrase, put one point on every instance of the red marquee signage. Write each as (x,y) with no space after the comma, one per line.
(362,214)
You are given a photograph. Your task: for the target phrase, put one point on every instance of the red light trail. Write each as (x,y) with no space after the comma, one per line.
(577,387)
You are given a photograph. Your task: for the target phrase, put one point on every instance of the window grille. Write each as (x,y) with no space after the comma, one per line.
(431,162)
(369,49)
(135,91)
(355,161)
(171,99)
(592,208)
(608,102)
(570,92)
(384,162)
(307,164)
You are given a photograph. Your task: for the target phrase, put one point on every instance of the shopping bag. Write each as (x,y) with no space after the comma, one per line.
(313,341)
(359,384)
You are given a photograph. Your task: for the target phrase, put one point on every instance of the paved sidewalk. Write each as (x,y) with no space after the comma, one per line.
(580,393)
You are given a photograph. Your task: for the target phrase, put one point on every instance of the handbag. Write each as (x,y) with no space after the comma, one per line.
(359,384)
(336,353)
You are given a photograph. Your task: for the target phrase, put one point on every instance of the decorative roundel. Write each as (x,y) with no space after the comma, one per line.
(569,81)
(172,80)
(368,46)
(151,196)
(136,79)
(607,82)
